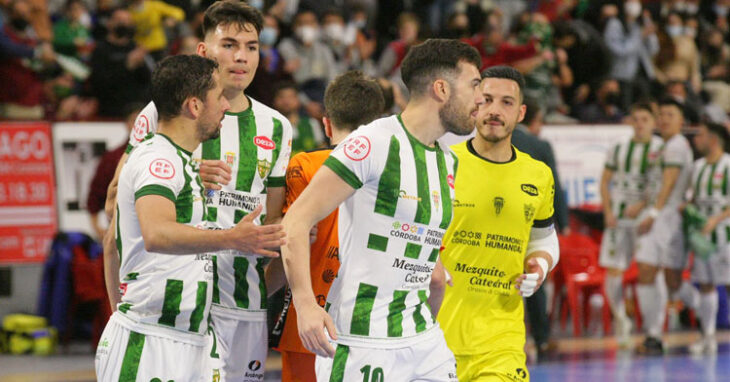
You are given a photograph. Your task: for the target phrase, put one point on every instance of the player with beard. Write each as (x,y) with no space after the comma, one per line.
(241,169)
(501,244)
(158,330)
(393,182)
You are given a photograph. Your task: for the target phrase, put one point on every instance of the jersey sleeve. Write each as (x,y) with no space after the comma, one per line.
(144,124)
(674,154)
(296,179)
(612,157)
(278,173)
(359,157)
(545,211)
(157,174)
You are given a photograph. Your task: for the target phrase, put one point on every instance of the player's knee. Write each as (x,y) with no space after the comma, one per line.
(647,273)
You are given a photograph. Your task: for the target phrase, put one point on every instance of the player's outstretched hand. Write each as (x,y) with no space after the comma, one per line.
(214,173)
(645,226)
(530,281)
(252,238)
(311,321)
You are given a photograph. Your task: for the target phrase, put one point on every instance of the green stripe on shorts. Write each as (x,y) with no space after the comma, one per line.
(132,355)
(338,363)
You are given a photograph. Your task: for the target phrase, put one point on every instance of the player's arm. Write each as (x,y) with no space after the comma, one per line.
(163,234)
(326,191)
(111,264)
(111,191)
(439,280)
(609,219)
(714,220)
(670,174)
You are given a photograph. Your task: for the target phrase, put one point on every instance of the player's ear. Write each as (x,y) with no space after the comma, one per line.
(523,110)
(192,107)
(441,89)
(202,50)
(327,127)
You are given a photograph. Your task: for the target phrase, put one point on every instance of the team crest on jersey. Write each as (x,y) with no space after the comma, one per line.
(264,166)
(264,142)
(436,198)
(529,212)
(162,168)
(230,158)
(357,148)
(498,204)
(216,375)
(141,127)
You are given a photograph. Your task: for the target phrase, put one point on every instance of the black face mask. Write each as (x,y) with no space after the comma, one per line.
(124,31)
(19,24)
(612,98)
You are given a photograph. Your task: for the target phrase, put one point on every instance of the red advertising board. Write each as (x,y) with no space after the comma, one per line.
(28,218)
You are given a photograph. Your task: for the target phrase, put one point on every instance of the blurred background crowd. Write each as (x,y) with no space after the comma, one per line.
(585,61)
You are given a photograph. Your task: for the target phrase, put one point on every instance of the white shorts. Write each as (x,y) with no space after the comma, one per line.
(430,360)
(663,245)
(715,270)
(618,245)
(236,350)
(129,356)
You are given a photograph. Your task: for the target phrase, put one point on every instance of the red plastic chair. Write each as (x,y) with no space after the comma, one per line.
(581,276)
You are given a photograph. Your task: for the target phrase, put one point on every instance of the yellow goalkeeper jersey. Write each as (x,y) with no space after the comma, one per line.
(495,206)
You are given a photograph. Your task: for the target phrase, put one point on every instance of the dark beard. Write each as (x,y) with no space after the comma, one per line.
(452,120)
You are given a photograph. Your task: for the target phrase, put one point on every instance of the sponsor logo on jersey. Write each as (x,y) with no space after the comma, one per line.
(498,204)
(529,189)
(450,181)
(521,373)
(264,142)
(529,212)
(263,166)
(162,168)
(415,233)
(436,198)
(328,276)
(485,279)
(403,195)
(458,203)
(294,172)
(254,365)
(357,148)
(140,129)
(470,238)
(230,158)
(333,252)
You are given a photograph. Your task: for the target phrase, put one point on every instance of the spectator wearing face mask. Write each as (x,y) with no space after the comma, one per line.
(309,61)
(678,58)
(605,106)
(22,97)
(364,41)
(271,64)
(339,39)
(120,70)
(632,40)
(72,33)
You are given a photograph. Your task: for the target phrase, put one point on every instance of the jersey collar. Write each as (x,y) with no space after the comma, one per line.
(470,147)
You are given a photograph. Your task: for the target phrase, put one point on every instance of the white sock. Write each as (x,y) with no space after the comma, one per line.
(708,312)
(689,295)
(615,293)
(653,304)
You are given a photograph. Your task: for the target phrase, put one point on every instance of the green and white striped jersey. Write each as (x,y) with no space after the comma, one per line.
(711,193)
(256,143)
(162,291)
(676,152)
(631,163)
(390,233)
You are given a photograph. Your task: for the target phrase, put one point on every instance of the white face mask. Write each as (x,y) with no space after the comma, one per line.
(335,32)
(308,34)
(674,30)
(632,8)
(268,36)
(690,32)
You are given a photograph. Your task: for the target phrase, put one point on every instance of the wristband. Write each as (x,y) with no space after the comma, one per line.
(544,266)
(653,212)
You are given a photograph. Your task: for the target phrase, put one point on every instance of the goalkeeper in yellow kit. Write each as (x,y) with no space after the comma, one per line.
(501,242)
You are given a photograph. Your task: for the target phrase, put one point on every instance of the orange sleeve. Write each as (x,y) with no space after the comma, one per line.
(296,179)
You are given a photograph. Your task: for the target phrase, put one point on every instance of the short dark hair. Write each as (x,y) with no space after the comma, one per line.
(507,73)
(669,101)
(352,100)
(719,131)
(283,85)
(388,94)
(642,105)
(434,59)
(178,78)
(532,110)
(232,12)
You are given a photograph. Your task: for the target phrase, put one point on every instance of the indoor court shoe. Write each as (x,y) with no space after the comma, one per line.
(705,346)
(651,346)
(623,332)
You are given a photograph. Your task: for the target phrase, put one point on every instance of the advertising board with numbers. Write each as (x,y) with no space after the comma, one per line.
(28,218)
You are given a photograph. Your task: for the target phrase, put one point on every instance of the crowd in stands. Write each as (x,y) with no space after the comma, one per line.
(584,61)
